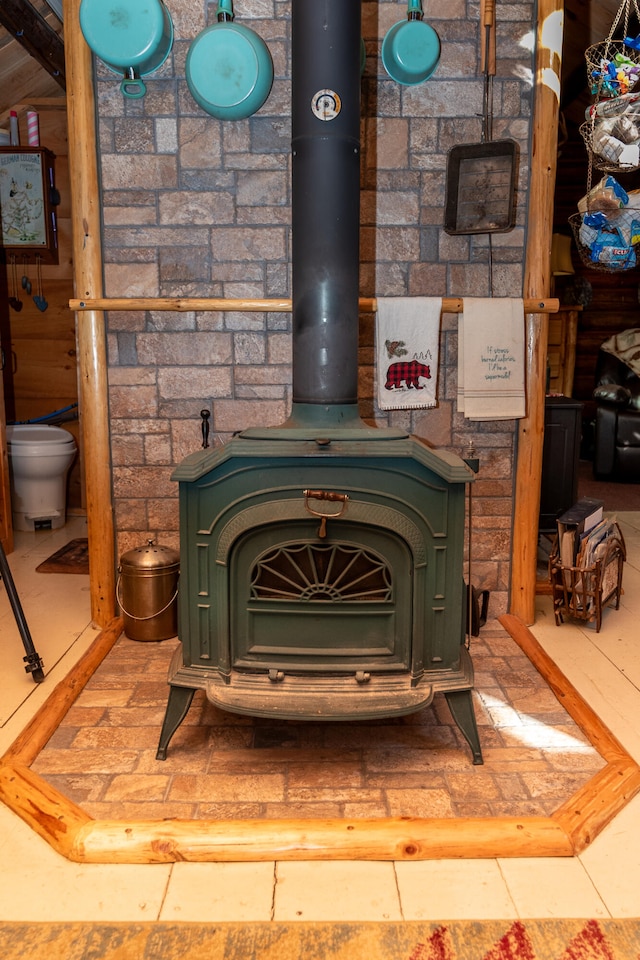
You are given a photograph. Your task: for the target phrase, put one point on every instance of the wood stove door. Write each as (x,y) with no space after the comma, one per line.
(340,603)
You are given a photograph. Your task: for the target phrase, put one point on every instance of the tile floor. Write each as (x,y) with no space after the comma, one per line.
(40,885)
(222,766)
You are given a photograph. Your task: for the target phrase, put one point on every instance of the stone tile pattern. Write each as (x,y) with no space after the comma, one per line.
(198,207)
(224,766)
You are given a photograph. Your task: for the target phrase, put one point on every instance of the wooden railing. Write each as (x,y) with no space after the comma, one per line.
(186,304)
(271,305)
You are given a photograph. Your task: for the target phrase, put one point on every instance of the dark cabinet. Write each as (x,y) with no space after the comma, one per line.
(560,456)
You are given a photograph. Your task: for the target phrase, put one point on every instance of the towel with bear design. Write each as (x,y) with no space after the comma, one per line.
(407,347)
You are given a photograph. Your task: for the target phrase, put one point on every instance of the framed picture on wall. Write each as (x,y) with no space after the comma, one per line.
(27,204)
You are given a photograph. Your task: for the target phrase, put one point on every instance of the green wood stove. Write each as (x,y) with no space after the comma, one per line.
(321,560)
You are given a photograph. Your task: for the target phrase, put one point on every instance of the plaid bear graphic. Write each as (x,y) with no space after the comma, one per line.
(408,371)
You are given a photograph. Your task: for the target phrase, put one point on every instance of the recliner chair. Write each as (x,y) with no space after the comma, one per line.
(617,433)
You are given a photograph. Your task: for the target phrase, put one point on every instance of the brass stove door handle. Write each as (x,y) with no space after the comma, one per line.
(330,495)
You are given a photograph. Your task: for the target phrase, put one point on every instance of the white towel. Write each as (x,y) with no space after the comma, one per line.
(407,348)
(491,361)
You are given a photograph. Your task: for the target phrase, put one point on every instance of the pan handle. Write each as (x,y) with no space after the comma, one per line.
(132,85)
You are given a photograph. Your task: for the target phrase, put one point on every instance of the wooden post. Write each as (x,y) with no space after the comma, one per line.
(92,353)
(537,278)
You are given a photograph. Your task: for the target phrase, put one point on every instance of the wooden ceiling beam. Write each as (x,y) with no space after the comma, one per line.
(33,32)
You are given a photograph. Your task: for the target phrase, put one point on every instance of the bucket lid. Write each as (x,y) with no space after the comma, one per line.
(151,556)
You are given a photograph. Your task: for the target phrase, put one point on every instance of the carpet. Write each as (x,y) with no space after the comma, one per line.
(413,940)
(620,497)
(72,558)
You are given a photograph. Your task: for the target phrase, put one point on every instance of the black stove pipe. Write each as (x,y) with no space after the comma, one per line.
(325,205)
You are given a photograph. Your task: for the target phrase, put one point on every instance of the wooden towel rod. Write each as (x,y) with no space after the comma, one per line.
(184,304)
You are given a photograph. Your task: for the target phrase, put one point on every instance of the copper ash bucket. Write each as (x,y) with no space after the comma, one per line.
(147,592)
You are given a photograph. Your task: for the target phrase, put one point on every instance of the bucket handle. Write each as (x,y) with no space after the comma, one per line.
(126,612)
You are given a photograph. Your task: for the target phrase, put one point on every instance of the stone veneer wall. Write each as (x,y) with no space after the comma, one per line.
(197,207)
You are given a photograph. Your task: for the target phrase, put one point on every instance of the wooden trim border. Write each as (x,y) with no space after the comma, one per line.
(78,837)
(584,815)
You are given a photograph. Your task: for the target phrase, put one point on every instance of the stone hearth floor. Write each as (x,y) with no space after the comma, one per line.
(225,766)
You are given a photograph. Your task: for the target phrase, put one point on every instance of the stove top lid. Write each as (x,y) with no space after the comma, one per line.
(311,421)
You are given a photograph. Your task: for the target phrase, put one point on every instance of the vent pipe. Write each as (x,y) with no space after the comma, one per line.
(325,207)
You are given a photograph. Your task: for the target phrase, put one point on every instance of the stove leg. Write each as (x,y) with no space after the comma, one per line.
(461,706)
(177,706)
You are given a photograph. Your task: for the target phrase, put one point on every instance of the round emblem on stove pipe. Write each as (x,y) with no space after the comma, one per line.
(326,104)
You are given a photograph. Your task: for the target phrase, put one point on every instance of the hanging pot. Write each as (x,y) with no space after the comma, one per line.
(411,48)
(229,68)
(147,592)
(132,39)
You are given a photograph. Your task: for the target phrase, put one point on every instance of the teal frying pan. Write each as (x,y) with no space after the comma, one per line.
(132,38)
(411,48)
(229,68)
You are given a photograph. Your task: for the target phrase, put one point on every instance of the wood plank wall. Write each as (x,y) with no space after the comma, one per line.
(40,347)
(615,304)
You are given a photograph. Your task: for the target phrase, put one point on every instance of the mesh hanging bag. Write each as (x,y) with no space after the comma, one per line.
(611,132)
(607,227)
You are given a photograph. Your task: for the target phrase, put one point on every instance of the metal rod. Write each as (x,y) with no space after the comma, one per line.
(33,661)
(186,304)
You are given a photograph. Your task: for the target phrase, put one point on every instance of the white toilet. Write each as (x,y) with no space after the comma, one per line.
(39,459)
